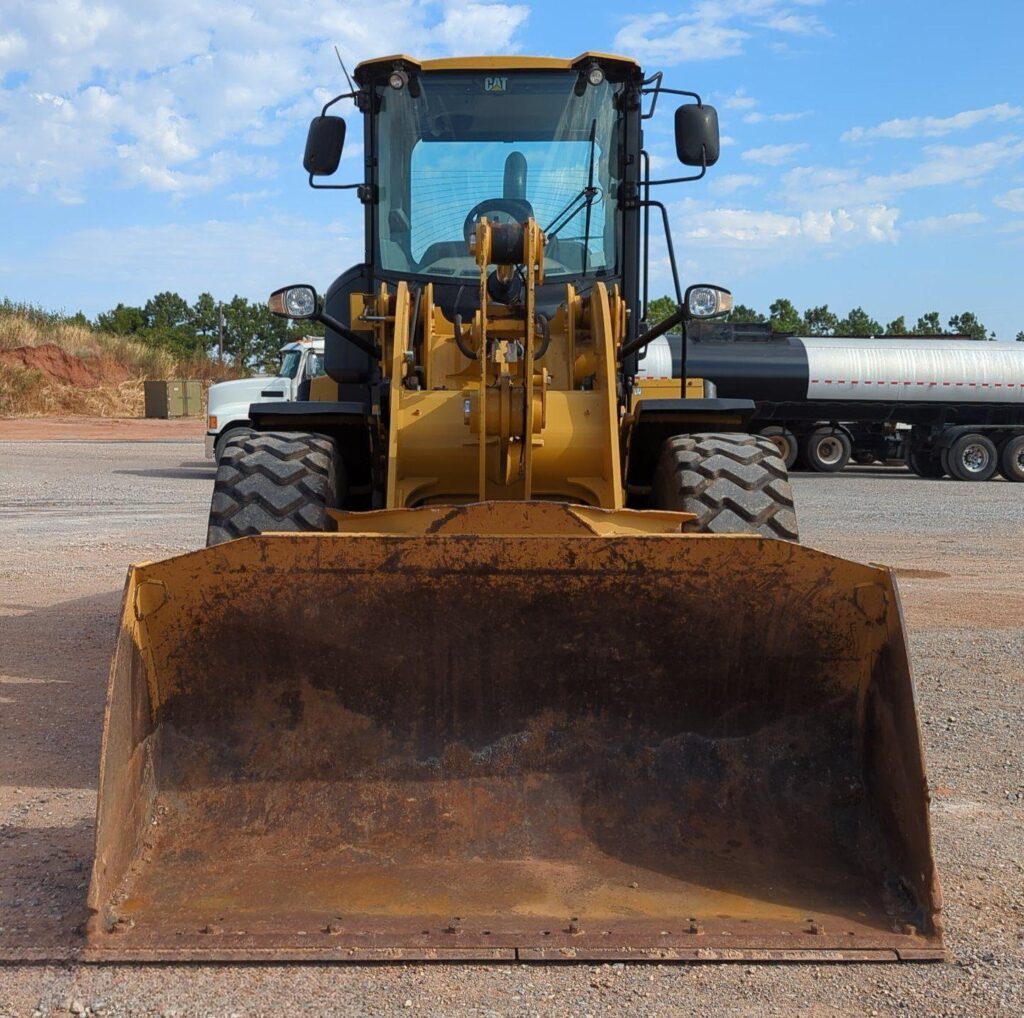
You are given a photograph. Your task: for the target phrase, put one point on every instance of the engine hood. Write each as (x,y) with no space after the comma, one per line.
(245,391)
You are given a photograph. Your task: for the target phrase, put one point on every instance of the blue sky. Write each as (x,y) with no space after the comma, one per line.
(874,151)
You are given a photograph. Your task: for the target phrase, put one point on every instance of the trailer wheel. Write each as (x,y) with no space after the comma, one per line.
(274,481)
(827,450)
(1011,459)
(734,483)
(925,463)
(785,441)
(972,457)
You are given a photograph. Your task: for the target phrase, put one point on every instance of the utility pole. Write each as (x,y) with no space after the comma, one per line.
(220,332)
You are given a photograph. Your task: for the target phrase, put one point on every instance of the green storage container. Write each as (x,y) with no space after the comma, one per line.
(175,398)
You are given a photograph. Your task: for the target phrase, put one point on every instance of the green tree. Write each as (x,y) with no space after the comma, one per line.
(1020,337)
(785,318)
(928,325)
(253,336)
(858,323)
(820,321)
(897,327)
(743,314)
(167,310)
(657,310)
(125,320)
(967,324)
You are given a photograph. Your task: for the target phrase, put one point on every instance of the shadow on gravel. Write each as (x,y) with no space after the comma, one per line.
(186,472)
(44,876)
(54,663)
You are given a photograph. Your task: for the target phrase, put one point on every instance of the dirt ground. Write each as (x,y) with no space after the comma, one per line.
(74,513)
(98,429)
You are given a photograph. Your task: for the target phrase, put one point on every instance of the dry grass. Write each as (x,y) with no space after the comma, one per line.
(121,365)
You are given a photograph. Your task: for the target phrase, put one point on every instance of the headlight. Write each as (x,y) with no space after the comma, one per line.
(595,75)
(294,302)
(706,300)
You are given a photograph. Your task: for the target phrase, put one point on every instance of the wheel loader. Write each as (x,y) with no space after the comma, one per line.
(489,656)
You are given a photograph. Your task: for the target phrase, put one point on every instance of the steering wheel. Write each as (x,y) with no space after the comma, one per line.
(510,210)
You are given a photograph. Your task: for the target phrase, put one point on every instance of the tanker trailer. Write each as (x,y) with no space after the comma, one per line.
(952,407)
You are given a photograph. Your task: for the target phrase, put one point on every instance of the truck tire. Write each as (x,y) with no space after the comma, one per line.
(785,441)
(734,483)
(827,450)
(1011,458)
(972,457)
(925,463)
(237,431)
(274,481)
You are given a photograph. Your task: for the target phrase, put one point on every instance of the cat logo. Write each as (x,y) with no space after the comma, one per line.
(495,84)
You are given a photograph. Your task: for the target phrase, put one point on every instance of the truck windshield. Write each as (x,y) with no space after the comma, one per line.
(290,363)
(506,146)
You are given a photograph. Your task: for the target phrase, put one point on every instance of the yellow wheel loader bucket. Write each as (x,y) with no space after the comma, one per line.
(512,731)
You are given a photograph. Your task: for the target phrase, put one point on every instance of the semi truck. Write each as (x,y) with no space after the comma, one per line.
(948,407)
(228,403)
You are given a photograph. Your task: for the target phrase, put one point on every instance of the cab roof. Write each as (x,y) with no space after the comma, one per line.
(512,62)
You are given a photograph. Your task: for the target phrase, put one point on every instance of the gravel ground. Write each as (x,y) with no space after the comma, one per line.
(74,514)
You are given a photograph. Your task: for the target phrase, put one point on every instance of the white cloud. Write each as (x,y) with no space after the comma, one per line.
(739,100)
(774,155)
(711,29)
(1012,200)
(934,127)
(667,40)
(776,118)
(155,91)
(831,186)
(942,224)
(490,26)
(747,229)
(733,182)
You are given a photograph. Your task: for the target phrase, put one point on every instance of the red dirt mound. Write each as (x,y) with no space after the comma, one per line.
(54,363)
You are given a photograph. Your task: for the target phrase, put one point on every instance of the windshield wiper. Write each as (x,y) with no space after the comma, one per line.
(584,200)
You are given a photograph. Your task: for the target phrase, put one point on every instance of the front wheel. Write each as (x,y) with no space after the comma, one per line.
(269,481)
(733,483)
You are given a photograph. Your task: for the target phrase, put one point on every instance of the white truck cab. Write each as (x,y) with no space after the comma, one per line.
(228,402)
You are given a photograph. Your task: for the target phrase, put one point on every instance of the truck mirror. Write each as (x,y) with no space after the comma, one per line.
(323,146)
(697,134)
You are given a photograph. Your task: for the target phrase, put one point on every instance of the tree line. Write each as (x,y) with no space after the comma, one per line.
(244,332)
(821,321)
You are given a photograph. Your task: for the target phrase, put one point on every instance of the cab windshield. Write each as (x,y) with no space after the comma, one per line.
(506,145)
(290,361)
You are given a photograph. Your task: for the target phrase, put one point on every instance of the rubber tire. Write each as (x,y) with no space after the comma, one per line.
(235,431)
(925,464)
(734,483)
(783,436)
(812,457)
(1011,458)
(957,469)
(274,481)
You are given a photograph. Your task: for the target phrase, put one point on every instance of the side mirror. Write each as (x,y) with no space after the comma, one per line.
(323,145)
(707,300)
(697,135)
(295,302)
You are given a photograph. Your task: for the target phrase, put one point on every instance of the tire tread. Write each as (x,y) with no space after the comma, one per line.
(734,483)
